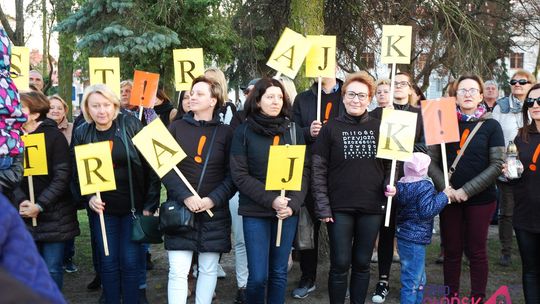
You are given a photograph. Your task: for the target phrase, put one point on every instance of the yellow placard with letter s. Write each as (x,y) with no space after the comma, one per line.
(321,59)
(188,65)
(396,134)
(105,70)
(396,44)
(159,147)
(35,154)
(20,64)
(285,167)
(95,167)
(289,53)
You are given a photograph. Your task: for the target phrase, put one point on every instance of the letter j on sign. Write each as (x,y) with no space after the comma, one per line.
(285,167)
(95,167)
(396,44)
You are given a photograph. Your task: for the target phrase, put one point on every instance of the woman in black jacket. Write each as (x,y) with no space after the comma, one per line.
(348,185)
(136,185)
(207,143)
(55,213)
(267,123)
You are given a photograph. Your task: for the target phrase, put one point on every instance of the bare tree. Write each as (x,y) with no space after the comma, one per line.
(17,35)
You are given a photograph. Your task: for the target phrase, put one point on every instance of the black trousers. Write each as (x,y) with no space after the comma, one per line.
(529,249)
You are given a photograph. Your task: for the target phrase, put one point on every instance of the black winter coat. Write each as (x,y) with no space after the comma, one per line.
(10,178)
(211,234)
(58,221)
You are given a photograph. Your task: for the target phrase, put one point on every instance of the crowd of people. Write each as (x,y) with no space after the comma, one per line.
(344,185)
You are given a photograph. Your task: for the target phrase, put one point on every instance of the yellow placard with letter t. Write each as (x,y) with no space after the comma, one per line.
(95,167)
(105,70)
(35,154)
(285,167)
(396,135)
(289,53)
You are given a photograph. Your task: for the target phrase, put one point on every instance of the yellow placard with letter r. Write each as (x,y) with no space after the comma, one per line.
(396,44)
(35,154)
(289,53)
(159,147)
(20,64)
(188,65)
(396,134)
(321,59)
(285,167)
(95,167)
(105,70)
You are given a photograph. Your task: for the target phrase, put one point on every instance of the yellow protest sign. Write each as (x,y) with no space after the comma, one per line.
(396,44)
(20,64)
(105,70)
(95,167)
(285,167)
(396,135)
(188,65)
(159,147)
(35,154)
(289,53)
(321,59)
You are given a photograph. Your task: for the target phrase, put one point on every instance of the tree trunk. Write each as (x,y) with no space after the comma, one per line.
(65,60)
(44,64)
(16,36)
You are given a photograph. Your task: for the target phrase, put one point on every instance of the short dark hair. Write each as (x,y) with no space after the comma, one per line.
(253,100)
(36,102)
(476,78)
(529,125)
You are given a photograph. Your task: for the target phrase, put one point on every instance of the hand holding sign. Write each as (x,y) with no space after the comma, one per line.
(289,53)
(188,65)
(35,162)
(106,71)
(289,160)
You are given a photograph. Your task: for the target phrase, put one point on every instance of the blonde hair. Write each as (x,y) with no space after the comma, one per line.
(530,77)
(362,77)
(290,88)
(57,97)
(126,83)
(104,91)
(383,81)
(218,76)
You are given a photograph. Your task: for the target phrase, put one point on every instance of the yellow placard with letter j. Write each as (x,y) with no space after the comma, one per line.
(35,154)
(285,167)
(95,167)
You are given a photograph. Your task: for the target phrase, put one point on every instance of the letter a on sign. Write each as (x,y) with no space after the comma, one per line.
(95,167)
(188,65)
(20,64)
(159,147)
(396,44)
(396,134)
(289,53)
(321,59)
(105,70)
(285,167)
(35,154)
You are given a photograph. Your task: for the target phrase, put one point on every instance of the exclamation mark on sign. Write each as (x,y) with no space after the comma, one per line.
(439,113)
(327,112)
(198,158)
(276,140)
(532,166)
(463,139)
(144,89)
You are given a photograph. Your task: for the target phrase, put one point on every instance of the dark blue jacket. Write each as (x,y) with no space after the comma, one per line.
(418,204)
(19,256)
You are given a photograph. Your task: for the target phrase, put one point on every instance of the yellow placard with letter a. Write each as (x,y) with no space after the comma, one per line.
(289,53)
(396,44)
(20,64)
(159,147)
(321,59)
(285,167)
(105,70)
(188,65)
(35,154)
(396,135)
(95,167)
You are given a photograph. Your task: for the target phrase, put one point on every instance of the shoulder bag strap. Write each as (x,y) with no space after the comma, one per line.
(292,131)
(130,178)
(462,150)
(207,157)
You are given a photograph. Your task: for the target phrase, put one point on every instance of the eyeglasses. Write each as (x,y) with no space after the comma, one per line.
(472,92)
(399,84)
(351,95)
(530,102)
(520,81)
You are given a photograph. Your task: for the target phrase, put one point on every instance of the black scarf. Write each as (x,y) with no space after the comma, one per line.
(269,126)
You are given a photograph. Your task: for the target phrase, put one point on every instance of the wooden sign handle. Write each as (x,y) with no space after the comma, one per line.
(141,108)
(279,224)
(319,89)
(32,197)
(186,182)
(392,87)
(445,167)
(389,199)
(103,230)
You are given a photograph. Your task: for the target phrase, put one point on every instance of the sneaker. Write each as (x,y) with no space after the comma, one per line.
(69,266)
(304,288)
(240,296)
(505,260)
(381,292)
(220,272)
(149,263)
(95,284)
(395,258)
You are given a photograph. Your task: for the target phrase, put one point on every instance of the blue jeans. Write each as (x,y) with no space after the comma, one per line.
(267,264)
(5,162)
(142,267)
(413,271)
(69,249)
(53,255)
(120,270)
(93,242)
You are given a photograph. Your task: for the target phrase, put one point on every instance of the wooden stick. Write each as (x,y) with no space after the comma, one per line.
(445,168)
(184,179)
(103,230)
(319,88)
(279,223)
(32,197)
(389,199)
(392,86)
(140,112)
